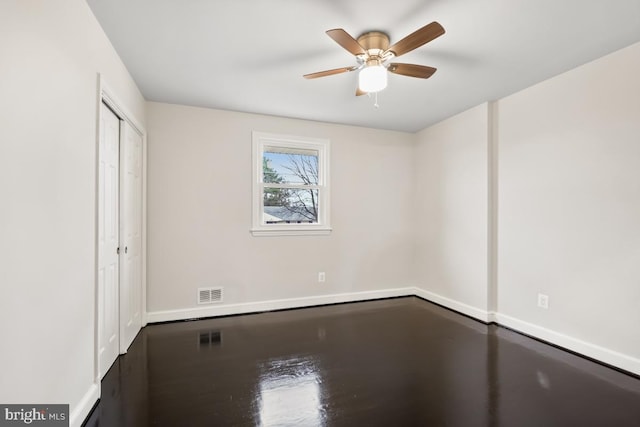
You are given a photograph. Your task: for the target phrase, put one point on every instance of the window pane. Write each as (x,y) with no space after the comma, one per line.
(290,167)
(290,206)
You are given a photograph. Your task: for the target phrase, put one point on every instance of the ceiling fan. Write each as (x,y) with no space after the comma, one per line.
(374,55)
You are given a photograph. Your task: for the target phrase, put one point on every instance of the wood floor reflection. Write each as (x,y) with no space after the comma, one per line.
(398,362)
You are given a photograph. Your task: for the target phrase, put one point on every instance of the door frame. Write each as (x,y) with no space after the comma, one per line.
(107,96)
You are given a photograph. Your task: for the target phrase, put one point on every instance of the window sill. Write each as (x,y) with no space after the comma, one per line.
(316,231)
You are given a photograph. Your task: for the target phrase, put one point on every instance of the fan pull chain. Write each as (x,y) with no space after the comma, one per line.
(375,99)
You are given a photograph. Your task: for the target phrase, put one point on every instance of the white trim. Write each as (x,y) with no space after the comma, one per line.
(144,231)
(492,205)
(476,313)
(620,360)
(293,231)
(610,357)
(109,97)
(81,411)
(96,220)
(258,306)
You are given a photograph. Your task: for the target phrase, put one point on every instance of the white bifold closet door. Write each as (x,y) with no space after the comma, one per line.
(119,237)
(108,239)
(130,235)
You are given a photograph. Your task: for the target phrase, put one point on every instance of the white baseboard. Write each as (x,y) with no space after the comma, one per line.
(476,313)
(593,351)
(492,317)
(252,307)
(81,411)
(610,357)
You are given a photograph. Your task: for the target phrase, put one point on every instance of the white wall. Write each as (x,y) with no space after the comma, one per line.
(564,194)
(451,174)
(569,205)
(199,204)
(50,57)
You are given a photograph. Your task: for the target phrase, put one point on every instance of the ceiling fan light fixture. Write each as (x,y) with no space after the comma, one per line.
(373,55)
(372,78)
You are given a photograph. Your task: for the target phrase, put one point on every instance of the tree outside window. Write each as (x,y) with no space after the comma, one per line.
(297,199)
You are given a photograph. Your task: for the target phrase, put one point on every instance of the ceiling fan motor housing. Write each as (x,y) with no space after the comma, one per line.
(374,42)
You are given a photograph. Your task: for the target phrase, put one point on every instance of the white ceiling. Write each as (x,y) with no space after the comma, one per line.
(250,55)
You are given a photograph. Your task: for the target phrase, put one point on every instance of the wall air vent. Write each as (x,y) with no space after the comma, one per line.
(209,295)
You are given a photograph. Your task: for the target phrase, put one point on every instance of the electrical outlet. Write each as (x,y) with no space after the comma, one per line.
(543,301)
(321,277)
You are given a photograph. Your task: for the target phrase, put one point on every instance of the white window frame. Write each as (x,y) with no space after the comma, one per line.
(260,140)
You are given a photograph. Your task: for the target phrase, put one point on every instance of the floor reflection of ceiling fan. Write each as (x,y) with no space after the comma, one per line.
(374,55)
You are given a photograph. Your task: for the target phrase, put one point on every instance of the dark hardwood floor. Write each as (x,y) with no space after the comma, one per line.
(398,362)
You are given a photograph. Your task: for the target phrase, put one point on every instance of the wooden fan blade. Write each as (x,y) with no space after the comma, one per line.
(417,39)
(343,38)
(411,70)
(360,92)
(329,72)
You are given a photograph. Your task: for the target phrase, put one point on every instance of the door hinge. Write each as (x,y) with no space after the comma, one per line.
(118,251)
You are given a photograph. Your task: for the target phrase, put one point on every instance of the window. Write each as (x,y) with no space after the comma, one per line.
(290,185)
